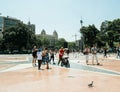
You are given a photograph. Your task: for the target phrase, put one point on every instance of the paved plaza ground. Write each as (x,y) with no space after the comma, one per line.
(18,75)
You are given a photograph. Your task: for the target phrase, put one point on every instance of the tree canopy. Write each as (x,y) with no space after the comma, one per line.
(108,34)
(18,37)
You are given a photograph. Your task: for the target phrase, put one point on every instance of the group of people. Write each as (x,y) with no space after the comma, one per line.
(45,56)
(42,56)
(93,50)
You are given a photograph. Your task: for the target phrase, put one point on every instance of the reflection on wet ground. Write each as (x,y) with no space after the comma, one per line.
(92,68)
(5,64)
(21,76)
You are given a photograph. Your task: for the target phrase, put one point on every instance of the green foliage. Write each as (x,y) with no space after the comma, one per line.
(108,35)
(22,38)
(18,37)
(112,31)
(89,34)
(60,43)
(38,42)
(71,45)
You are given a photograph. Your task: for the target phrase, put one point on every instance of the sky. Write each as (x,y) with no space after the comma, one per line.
(61,15)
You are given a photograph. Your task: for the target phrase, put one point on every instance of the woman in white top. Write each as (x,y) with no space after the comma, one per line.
(39,58)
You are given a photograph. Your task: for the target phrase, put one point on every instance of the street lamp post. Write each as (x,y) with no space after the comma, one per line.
(82,36)
(81,22)
(105,29)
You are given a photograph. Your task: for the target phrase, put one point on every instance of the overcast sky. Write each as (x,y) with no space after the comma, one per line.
(61,15)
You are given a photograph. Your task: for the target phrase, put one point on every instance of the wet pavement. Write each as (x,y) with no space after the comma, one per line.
(18,75)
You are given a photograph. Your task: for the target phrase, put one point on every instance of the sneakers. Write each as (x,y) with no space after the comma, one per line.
(49,68)
(40,69)
(54,63)
(34,65)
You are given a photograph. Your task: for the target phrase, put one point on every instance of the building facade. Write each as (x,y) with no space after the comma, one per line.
(31,27)
(7,22)
(51,38)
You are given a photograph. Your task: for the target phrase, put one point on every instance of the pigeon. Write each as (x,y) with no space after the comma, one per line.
(91,84)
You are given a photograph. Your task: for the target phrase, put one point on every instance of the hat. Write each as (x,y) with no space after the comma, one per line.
(40,49)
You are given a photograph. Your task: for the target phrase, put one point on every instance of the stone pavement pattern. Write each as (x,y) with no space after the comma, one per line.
(59,79)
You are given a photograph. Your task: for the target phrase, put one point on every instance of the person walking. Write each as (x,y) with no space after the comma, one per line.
(94,54)
(118,51)
(105,52)
(86,52)
(61,53)
(39,58)
(34,55)
(45,57)
(52,56)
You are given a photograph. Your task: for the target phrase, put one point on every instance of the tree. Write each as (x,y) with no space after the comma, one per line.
(89,34)
(60,43)
(38,41)
(115,27)
(111,29)
(18,37)
(71,45)
(101,39)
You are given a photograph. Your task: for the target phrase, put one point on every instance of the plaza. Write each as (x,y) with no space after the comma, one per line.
(18,75)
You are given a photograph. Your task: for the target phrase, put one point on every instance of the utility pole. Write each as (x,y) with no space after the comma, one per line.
(75,39)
